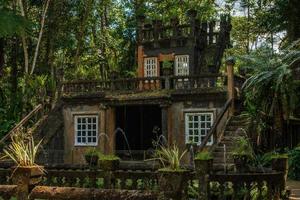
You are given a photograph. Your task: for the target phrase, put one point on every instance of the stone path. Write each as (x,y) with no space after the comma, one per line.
(294,187)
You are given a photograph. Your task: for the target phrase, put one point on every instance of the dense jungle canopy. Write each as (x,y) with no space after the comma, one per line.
(86,39)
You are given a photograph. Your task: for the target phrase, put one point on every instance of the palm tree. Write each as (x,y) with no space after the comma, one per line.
(270,91)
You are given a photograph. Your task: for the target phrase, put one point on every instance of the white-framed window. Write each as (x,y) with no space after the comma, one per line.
(182,65)
(86,130)
(150,67)
(197,126)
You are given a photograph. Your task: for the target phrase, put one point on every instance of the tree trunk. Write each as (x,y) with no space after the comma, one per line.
(14,71)
(1,56)
(40,37)
(81,33)
(293,29)
(24,42)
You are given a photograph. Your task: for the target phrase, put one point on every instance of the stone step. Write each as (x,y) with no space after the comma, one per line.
(239,122)
(240,117)
(221,153)
(221,160)
(220,166)
(233,120)
(295,193)
(233,133)
(235,128)
(221,149)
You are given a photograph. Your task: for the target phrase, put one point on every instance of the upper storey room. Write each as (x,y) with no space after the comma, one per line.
(181,47)
(177,54)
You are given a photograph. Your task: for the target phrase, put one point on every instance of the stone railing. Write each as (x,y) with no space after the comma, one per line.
(59,182)
(145,84)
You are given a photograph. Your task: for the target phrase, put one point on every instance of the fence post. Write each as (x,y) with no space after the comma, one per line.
(26,178)
(230,82)
(203,169)
(281,165)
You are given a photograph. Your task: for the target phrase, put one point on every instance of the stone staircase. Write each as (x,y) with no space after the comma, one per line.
(230,133)
(294,188)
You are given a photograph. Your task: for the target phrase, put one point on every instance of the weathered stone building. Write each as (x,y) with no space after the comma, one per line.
(175,98)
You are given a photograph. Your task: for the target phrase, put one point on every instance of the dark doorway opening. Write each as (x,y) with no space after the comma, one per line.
(141,125)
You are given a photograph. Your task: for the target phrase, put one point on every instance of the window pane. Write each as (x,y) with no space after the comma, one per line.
(202,117)
(208,117)
(79,139)
(203,132)
(83,133)
(196,131)
(203,125)
(94,133)
(196,139)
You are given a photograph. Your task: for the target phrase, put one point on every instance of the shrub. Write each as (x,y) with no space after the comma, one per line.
(22,150)
(92,152)
(108,157)
(242,147)
(169,157)
(167,65)
(204,155)
(294,163)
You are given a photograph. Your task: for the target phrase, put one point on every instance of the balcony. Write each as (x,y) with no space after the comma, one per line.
(169,85)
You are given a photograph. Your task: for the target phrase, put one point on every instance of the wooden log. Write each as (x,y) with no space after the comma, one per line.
(58,193)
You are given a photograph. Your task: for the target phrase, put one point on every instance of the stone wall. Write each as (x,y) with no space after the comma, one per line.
(75,154)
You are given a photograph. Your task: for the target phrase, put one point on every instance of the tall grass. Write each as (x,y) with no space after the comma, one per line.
(169,157)
(22,150)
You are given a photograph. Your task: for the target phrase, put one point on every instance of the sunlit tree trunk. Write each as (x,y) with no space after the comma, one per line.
(40,36)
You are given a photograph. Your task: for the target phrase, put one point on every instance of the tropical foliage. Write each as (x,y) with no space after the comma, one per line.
(169,157)
(270,92)
(22,151)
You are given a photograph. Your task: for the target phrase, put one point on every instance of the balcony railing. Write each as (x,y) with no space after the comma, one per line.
(204,81)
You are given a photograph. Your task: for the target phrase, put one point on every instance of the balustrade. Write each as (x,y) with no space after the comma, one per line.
(219,186)
(144,84)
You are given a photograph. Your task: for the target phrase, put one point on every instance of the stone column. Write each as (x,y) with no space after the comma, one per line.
(164,119)
(230,82)
(110,118)
(103,136)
